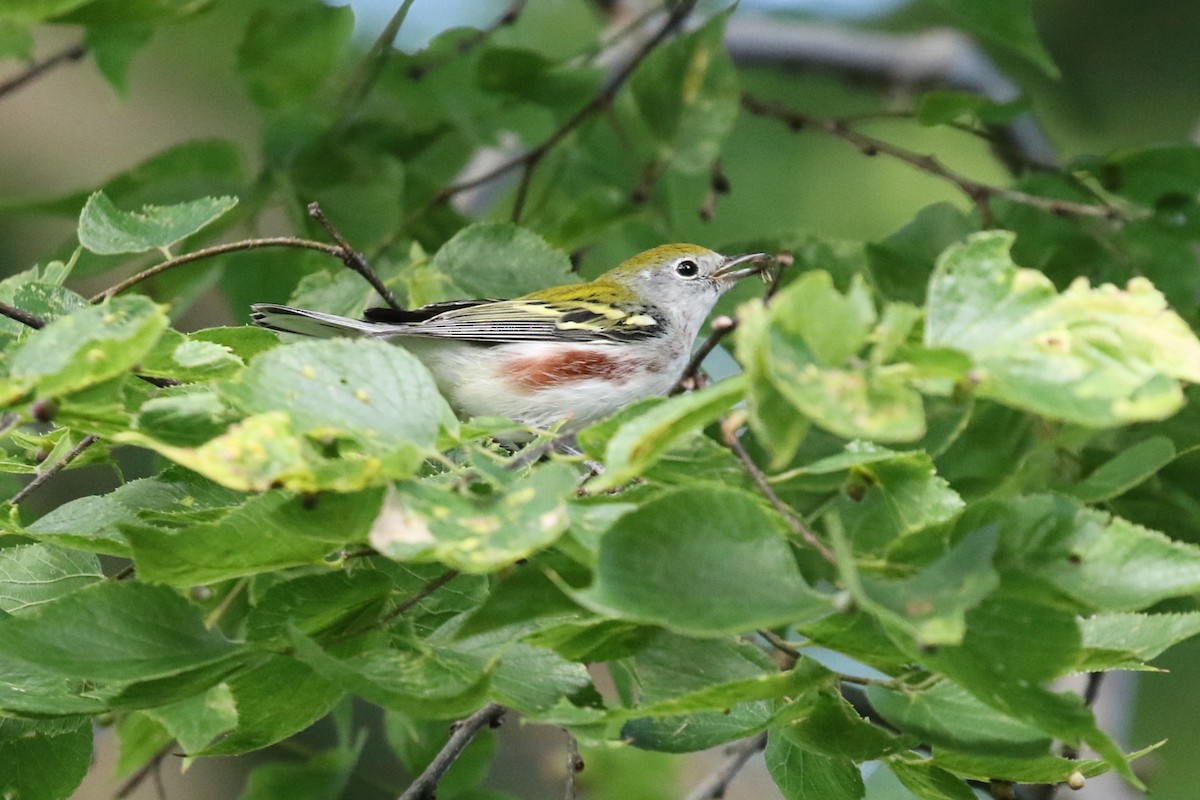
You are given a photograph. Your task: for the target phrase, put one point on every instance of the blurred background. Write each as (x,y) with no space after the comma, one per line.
(1130,76)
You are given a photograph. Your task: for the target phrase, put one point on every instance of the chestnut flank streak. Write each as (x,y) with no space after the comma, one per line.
(573,365)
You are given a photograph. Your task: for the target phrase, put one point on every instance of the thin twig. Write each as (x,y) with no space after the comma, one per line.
(56,468)
(39,68)
(716,784)
(764,485)
(426,590)
(530,159)
(353,259)
(979,193)
(507,17)
(721,327)
(23,317)
(780,644)
(574,765)
(371,66)
(218,250)
(135,780)
(463,733)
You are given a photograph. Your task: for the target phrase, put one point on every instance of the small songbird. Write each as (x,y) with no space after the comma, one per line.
(577,352)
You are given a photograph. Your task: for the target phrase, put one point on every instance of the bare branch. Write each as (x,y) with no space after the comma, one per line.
(940,57)
(135,780)
(721,327)
(979,193)
(353,259)
(218,250)
(462,734)
(23,317)
(574,765)
(39,68)
(54,469)
(715,785)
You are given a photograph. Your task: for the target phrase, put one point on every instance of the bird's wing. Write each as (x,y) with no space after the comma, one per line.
(521,320)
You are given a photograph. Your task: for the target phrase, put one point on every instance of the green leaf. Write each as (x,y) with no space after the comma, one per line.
(114,46)
(1125,470)
(833,326)
(436,682)
(374,393)
(314,602)
(472,531)
(831,727)
(928,781)
(286,55)
(37,10)
(322,776)
(1043,769)
(112,631)
(642,440)
(33,574)
(498,259)
(1127,641)
(885,495)
(1008,23)
(687,93)
(1097,357)
(267,532)
(804,775)
(804,352)
(85,348)
(105,229)
(946,715)
(16,40)
(944,108)
(902,263)
(702,561)
(261,719)
(674,673)
(199,719)
(932,605)
(45,766)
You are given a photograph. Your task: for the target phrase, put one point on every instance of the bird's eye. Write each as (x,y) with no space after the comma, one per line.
(687,269)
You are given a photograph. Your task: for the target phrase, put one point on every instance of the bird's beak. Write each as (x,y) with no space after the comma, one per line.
(738,267)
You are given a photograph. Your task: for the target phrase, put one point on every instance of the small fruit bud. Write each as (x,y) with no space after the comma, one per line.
(44,410)
(1076,780)
(201,593)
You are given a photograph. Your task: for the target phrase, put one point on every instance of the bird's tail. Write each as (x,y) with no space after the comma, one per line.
(309,323)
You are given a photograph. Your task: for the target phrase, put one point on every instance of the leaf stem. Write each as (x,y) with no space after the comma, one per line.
(371,66)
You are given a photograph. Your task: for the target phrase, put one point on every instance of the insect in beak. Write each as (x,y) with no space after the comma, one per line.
(737,267)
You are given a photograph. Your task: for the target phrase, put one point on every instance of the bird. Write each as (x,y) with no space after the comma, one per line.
(567,355)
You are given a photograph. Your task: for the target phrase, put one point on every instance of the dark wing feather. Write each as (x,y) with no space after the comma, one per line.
(499,321)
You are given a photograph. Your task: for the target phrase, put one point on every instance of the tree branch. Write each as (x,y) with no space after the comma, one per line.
(23,317)
(54,469)
(716,784)
(574,765)
(977,191)
(530,159)
(39,68)
(941,57)
(353,259)
(462,734)
(760,480)
(218,250)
